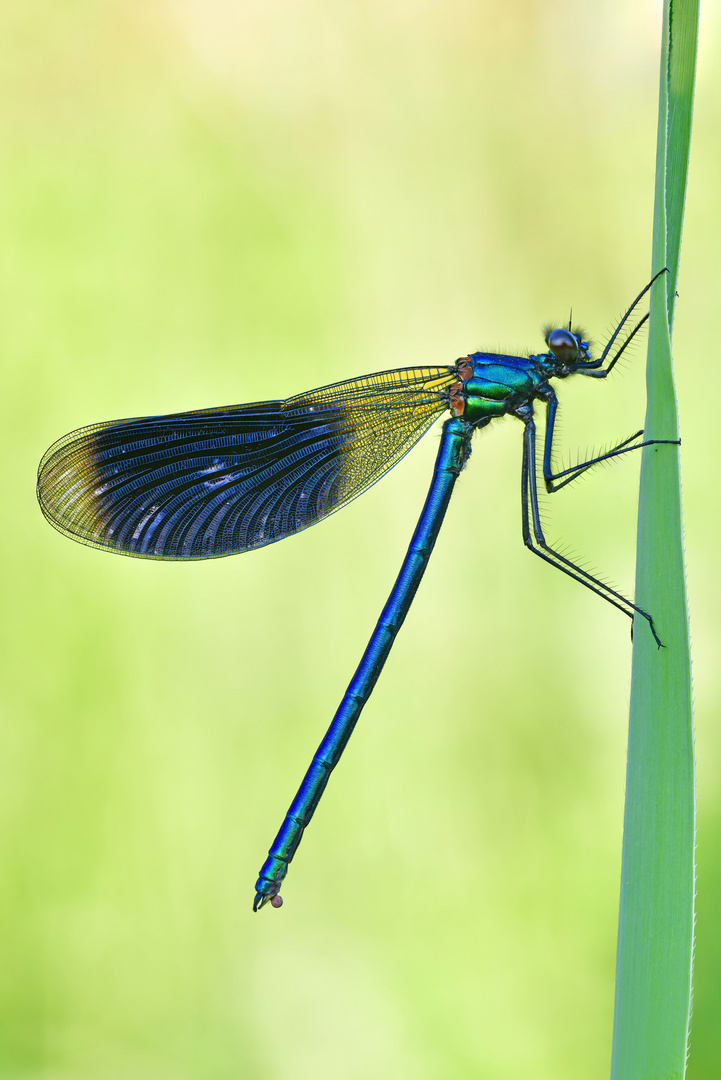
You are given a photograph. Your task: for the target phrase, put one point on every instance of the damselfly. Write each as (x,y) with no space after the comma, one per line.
(214,482)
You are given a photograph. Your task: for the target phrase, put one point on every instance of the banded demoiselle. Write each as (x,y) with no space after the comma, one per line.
(204,484)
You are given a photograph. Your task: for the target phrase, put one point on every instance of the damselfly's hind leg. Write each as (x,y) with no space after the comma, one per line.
(534,539)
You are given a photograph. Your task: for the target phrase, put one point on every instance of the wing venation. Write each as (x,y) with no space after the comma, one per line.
(214,482)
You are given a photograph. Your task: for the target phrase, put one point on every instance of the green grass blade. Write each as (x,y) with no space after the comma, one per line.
(655,939)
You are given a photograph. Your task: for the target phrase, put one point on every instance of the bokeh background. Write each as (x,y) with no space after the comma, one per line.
(208,201)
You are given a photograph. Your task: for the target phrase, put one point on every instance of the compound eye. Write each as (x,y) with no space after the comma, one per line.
(563,344)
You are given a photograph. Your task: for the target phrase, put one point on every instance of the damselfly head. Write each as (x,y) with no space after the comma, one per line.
(563,344)
(567,346)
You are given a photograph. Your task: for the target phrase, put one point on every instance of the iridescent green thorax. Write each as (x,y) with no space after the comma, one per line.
(494,384)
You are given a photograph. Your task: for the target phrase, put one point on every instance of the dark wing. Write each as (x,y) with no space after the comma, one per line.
(217,481)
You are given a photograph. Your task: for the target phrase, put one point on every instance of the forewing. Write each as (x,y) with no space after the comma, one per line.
(214,482)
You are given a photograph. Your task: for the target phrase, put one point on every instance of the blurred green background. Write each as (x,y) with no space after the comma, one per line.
(205,202)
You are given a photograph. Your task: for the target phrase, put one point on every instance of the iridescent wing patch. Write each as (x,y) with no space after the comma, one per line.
(214,482)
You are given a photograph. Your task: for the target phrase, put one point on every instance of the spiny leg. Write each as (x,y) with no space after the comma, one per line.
(534,538)
(598,363)
(536,542)
(575,471)
(601,373)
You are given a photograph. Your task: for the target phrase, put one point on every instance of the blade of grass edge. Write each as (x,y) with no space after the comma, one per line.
(656,915)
